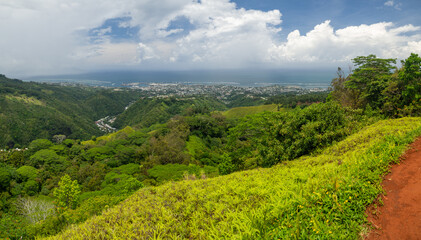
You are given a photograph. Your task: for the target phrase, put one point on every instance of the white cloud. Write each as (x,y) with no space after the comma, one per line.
(389,3)
(392,3)
(324,44)
(51,37)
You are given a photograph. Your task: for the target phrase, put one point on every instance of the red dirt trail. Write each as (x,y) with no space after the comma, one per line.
(400,216)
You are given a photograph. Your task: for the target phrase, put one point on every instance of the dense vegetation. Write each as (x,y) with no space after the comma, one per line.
(110,168)
(376,83)
(320,197)
(296,170)
(292,100)
(148,111)
(29,110)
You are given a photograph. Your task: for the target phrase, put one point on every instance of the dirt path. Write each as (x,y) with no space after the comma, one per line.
(400,216)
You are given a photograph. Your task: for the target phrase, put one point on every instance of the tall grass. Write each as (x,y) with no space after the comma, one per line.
(318,197)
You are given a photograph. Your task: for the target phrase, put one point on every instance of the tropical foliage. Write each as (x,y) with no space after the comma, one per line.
(292,168)
(319,197)
(378,84)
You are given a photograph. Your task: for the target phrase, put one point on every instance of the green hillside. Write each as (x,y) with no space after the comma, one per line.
(240,112)
(148,111)
(30,110)
(317,197)
(256,173)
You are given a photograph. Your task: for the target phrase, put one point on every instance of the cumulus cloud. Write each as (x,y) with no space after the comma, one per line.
(223,34)
(324,44)
(55,36)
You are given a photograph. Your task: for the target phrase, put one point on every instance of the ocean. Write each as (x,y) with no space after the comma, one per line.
(246,78)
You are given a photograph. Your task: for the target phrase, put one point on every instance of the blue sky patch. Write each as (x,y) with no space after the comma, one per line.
(180,22)
(116,29)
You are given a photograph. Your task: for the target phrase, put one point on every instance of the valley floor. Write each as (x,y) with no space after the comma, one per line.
(400,215)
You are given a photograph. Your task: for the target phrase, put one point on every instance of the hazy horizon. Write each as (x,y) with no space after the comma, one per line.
(304,78)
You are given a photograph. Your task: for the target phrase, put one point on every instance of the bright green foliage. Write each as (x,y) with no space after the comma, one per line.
(67,193)
(27,172)
(240,112)
(318,197)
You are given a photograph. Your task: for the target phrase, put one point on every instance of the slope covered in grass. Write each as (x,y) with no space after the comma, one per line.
(317,197)
(239,112)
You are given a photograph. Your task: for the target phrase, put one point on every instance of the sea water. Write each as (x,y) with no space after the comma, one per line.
(246,78)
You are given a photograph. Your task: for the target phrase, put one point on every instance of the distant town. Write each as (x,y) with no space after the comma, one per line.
(222,92)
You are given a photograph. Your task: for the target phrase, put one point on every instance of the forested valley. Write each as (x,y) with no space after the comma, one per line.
(290,151)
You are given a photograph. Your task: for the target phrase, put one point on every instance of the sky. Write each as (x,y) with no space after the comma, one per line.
(50,37)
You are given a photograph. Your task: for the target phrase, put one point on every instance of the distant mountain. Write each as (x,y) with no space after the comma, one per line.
(30,110)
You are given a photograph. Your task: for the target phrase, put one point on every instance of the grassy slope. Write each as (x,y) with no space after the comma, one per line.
(240,112)
(317,197)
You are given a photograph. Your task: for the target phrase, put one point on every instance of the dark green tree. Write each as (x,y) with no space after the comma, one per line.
(411,79)
(370,78)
